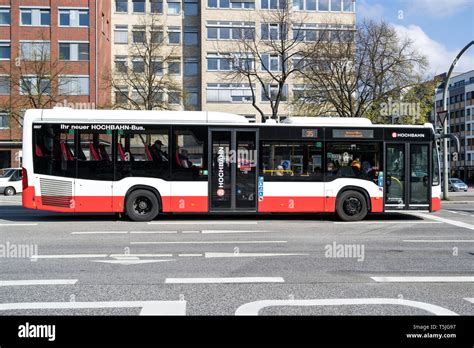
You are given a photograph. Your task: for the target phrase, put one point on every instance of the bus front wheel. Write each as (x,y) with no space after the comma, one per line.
(142,205)
(351,206)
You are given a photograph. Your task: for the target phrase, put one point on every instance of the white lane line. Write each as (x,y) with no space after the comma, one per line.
(147,307)
(469,299)
(14,225)
(233,231)
(428,279)
(190,232)
(128,262)
(218,242)
(253,308)
(447,221)
(439,240)
(452,212)
(216,255)
(190,255)
(224,280)
(38,282)
(153,232)
(203,223)
(68,256)
(100,232)
(365,222)
(140,255)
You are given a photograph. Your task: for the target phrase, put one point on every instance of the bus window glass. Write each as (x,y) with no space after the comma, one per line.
(94,158)
(353,160)
(189,157)
(53,151)
(144,153)
(292,161)
(435,166)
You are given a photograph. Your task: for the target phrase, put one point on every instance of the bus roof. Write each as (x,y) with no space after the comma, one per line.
(68,115)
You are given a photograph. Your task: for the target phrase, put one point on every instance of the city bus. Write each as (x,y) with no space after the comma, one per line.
(147,163)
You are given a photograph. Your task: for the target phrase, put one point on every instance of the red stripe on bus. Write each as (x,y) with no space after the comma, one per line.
(435,204)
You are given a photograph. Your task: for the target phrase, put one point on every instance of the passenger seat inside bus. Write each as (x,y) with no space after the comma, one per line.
(121,152)
(94,153)
(103,153)
(66,151)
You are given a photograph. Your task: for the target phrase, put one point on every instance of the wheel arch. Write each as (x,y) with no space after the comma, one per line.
(149,188)
(359,189)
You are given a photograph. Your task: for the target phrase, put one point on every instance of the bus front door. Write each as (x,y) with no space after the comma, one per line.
(233,173)
(407,178)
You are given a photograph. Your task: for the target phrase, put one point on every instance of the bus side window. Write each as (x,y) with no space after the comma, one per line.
(95,156)
(190,153)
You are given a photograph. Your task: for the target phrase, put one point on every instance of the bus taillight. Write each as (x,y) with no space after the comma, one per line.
(24,180)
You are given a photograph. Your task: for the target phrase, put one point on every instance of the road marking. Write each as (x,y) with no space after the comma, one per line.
(153,232)
(253,308)
(447,221)
(139,255)
(215,255)
(38,282)
(190,255)
(101,232)
(224,280)
(233,231)
(439,240)
(365,222)
(147,307)
(131,261)
(190,232)
(68,256)
(14,225)
(428,279)
(218,242)
(469,299)
(203,223)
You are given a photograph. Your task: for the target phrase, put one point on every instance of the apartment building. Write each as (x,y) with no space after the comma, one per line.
(53,52)
(201,34)
(460,102)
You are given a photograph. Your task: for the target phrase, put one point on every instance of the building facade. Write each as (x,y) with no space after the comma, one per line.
(52,53)
(201,34)
(460,102)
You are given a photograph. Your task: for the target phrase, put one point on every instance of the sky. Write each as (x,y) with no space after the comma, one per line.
(439,28)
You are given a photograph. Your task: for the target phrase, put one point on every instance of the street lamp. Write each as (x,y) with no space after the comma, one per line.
(445,125)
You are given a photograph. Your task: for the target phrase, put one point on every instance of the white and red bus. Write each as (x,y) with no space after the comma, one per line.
(146,163)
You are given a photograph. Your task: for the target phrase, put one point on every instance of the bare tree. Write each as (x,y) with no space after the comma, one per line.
(352,74)
(267,60)
(142,85)
(34,79)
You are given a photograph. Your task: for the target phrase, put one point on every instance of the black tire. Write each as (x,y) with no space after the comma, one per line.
(351,206)
(9,191)
(142,205)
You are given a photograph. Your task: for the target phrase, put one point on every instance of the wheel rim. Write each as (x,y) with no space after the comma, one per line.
(352,206)
(142,205)
(9,192)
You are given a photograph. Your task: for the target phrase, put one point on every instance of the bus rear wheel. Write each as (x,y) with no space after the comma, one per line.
(351,206)
(142,205)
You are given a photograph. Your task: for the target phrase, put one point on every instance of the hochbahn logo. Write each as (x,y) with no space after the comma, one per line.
(407,135)
(220,173)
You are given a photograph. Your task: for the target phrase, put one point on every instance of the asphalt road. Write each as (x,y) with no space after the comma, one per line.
(397,264)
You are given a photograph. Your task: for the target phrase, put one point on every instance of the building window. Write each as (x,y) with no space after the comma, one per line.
(191,37)
(230,30)
(73,18)
(156,36)
(73,85)
(121,95)
(156,6)
(5,50)
(5,16)
(174,7)
(138,35)
(323,5)
(157,66)
(191,67)
(270,92)
(192,97)
(234,4)
(227,62)
(4,85)
(274,4)
(229,93)
(191,7)
(174,35)
(138,65)
(4,122)
(34,50)
(348,5)
(121,34)
(174,67)
(121,64)
(271,62)
(174,98)
(74,51)
(121,6)
(138,6)
(35,17)
(273,31)
(305,32)
(35,85)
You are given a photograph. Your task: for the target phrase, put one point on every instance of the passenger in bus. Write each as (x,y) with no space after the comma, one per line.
(184,159)
(331,169)
(158,154)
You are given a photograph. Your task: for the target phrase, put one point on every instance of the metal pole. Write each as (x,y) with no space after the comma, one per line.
(445,126)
